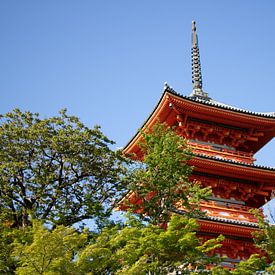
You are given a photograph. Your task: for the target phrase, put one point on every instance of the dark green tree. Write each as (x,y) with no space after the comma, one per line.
(55,169)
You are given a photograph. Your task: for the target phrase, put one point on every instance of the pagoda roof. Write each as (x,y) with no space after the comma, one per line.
(222,219)
(217,104)
(228,168)
(231,221)
(227,227)
(171,103)
(260,126)
(262,167)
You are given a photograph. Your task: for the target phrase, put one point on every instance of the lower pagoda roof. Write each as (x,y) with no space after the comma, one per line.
(228,227)
(231,221)
(222,220)
(236,162)
(228,168)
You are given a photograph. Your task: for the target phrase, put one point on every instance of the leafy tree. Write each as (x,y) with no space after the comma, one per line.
(50,252)
(265,238)
(138,249)
(256,264)
(8,236)
(7,263)
(55,169)
(251,266)
(161,184)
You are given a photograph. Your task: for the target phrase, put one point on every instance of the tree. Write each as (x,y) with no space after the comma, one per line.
(136,248)
(50,252)
(265,237)
(251,266)
(55,169)
(161,183)
(265,240)
(129,248)
(8,236)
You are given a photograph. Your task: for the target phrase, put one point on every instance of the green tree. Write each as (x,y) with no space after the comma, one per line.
(251,266)
(55,169)
(265,237)
(138,249)
(50,252)
(7,263)
(8,236)
(133,248)
(265,240)
(162,181)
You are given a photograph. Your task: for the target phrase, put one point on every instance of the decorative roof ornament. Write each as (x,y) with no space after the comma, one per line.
(197,92)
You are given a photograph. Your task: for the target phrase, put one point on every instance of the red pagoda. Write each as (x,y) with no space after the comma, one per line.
(224,140)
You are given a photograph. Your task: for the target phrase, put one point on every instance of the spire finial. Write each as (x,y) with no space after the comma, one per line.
(196,67)
(194,35)
(193,26)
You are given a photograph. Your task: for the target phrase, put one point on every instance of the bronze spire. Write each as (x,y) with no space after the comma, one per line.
(196,67)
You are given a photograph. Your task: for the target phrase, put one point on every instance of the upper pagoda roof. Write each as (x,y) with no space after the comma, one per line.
(172,103)
(214,103)
(258,128)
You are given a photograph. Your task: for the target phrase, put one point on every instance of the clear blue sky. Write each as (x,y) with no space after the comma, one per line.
(106,61)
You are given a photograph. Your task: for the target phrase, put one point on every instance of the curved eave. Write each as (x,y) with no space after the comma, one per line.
(269,115)
(227,229)
(229,168)
(172,102)
(230,117)
(132,146)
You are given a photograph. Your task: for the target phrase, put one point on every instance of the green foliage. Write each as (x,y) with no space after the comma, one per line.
(55,169)
(7,263)
(7,236)
(265,238)
(50,252)
(219,270)
(162,182)
(138,249)
(60,171)
(134,248)
(251,266)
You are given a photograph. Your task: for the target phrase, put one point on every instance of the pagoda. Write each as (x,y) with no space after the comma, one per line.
(224,140)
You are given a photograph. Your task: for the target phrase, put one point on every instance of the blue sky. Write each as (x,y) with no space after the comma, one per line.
(106,61)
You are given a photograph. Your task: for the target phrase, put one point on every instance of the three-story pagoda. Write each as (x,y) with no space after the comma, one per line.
(225,140)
